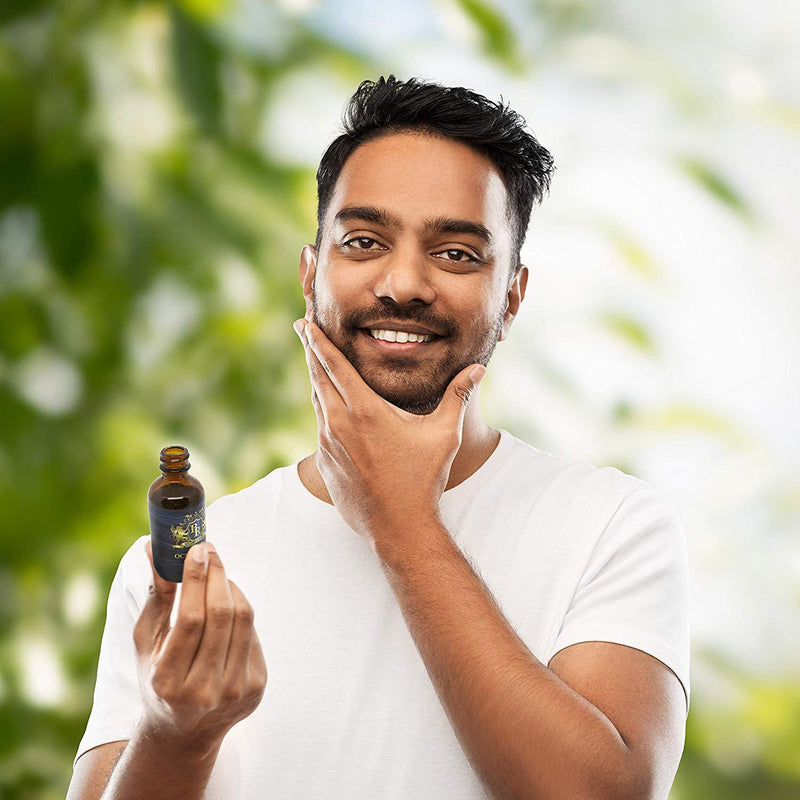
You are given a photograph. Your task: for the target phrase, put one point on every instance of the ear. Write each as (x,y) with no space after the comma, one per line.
(308,268)
(516,293)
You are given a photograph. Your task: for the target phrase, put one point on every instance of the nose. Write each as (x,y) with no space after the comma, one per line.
(404,276)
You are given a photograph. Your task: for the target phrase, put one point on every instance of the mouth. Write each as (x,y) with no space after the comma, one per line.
(398,348)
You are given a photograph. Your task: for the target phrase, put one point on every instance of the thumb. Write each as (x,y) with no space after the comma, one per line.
(153,623)
(461,389)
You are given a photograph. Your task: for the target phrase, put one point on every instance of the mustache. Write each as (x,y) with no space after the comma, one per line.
(360,319)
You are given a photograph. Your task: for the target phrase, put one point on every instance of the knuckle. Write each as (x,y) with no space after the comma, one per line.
(232,693)
(256,691)
(191,622)
(463,392)
(252,692)
(163,686)
(204,699)
(220,614)
(316,369)
(259,679)
(245,612)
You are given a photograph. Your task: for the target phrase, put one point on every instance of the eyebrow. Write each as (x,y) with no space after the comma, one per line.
(380,216)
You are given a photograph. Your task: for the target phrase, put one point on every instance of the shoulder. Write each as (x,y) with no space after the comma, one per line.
(241,520)
(243,504)
(557,478)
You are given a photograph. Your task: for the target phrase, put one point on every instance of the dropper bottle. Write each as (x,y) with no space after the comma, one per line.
(177,503)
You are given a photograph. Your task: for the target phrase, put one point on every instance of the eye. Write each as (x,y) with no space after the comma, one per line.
(360,240)
(459,253)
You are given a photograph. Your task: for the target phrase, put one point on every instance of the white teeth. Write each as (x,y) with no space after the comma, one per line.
(399,336)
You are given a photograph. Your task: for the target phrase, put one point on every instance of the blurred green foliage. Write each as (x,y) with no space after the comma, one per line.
(148,281)
(147,288)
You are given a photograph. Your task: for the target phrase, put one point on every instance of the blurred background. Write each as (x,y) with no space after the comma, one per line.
(157,167)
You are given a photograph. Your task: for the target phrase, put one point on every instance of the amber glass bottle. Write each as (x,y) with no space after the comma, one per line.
(177,504)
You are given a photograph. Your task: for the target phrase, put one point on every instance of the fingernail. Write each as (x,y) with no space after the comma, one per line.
(477,373)
(199,554)
(300,328)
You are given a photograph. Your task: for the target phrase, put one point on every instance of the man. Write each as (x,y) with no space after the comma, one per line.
(446,611)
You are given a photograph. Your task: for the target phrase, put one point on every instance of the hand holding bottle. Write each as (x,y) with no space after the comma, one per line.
(200,677)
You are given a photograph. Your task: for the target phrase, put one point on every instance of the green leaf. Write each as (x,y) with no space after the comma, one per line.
(497,35)
(66,197)
(629,329)
(717,185)
(633,252)
(11,10)
(196,58)
(686,416)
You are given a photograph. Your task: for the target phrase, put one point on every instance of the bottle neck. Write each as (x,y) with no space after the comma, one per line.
(174,474)
(174,461)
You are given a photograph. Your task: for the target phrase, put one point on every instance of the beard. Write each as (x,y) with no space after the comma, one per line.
(413,383)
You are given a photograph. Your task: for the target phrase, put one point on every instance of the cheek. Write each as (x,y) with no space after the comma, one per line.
(336,288)
(333,299)
(488,306)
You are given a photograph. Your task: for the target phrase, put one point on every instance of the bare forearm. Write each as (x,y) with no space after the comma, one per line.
(155,767)
(525,731)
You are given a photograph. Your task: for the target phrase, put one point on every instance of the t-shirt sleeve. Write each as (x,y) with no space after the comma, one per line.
(635,587)
(117,703)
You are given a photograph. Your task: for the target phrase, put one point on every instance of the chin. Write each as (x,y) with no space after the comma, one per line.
(416,406)
(420,403)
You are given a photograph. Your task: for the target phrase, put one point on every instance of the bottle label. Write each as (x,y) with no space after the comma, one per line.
(173,532)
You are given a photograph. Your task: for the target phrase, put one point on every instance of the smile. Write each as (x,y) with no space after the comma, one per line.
(398,342)
(399,336)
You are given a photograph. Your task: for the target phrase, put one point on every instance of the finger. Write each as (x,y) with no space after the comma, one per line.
(153,623)
(320,383)
(320,379)
(318,411)
(459,393)
(341,374)
(184,638)
(242,635)
(209,661)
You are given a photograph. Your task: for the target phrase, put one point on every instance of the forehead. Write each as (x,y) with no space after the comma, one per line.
(419,176)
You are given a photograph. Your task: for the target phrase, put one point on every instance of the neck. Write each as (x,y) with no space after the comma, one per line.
(478,442)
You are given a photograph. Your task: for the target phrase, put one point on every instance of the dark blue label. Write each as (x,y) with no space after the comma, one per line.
(173,532)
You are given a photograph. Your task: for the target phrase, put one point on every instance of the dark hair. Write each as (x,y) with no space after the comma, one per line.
(389,106)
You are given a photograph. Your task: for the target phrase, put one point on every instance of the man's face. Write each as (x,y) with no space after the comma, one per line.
(397,255)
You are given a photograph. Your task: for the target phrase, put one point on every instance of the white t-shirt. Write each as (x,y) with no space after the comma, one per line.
(570,552)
